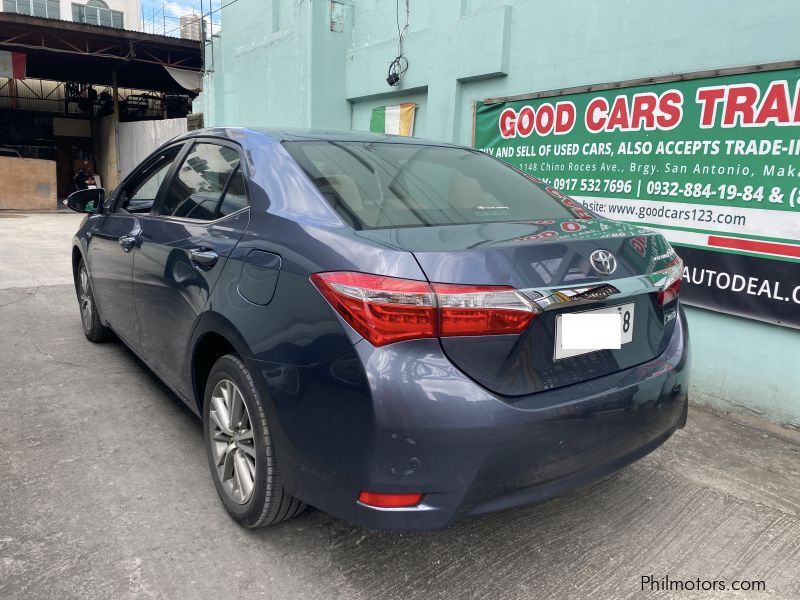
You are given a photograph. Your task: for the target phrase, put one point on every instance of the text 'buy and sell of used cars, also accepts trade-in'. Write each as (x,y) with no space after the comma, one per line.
(400,333)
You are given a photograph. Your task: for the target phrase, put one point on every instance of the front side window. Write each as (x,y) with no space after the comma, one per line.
(200,188)
(140,194)
(381,185)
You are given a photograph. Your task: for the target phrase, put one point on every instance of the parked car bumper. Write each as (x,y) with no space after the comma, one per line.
(402,418)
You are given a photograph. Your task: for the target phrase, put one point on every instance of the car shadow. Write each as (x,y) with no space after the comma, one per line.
(524,550)
(157,382)
(518,551)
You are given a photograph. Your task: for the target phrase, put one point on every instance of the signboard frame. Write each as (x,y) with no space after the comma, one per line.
(712,300)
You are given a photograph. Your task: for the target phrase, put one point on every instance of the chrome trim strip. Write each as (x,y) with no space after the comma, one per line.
(554,298)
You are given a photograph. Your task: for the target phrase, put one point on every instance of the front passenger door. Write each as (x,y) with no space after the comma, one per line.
(201,215)
(113,244)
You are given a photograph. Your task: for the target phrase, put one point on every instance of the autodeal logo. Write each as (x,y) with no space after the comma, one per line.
(769,289)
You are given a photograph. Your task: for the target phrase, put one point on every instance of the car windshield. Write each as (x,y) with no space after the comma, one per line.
(385,185)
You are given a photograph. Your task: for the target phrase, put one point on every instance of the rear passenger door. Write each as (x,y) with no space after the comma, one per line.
(200,215)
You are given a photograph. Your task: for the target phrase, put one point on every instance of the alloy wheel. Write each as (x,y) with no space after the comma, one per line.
(85,299)
(232,442)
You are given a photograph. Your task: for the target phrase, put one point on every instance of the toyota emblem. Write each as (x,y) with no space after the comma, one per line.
(603,262)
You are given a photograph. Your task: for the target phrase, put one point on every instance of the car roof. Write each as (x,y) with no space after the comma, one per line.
(289,134)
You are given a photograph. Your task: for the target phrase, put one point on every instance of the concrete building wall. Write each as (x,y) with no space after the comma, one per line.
(266,59)
(302,73)
(29,184)
(138,139)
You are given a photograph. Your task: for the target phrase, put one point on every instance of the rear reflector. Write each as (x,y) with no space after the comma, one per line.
(380,500)
(388,309)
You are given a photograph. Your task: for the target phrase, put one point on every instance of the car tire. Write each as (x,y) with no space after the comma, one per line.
(93,327)
(239,443)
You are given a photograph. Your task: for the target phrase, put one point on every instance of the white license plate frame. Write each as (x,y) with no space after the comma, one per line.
(626,332)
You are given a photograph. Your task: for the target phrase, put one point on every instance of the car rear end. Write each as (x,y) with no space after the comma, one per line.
(479,398)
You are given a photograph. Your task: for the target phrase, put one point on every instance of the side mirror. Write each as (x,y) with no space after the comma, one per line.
(87,201)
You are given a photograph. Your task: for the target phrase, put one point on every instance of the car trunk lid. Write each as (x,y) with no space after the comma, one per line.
(559,266)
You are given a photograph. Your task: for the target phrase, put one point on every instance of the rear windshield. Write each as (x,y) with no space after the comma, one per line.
(379,185)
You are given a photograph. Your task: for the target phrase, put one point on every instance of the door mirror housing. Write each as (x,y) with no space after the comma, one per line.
(87,201)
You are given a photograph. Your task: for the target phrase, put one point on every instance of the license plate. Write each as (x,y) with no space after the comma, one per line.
(592,330)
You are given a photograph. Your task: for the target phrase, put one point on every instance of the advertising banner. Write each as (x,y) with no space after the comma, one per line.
(711,163)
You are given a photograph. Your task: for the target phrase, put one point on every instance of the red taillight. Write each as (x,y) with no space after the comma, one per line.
(671,285)
(380,500)
(382,309)
(481,310)
(387,309)
(669,294)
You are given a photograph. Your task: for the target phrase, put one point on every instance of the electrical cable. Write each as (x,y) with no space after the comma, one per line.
(399,65)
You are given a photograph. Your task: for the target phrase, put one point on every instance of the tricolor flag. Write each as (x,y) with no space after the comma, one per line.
(12,64)
(397,119)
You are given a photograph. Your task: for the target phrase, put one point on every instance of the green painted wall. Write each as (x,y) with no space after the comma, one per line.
(278,62)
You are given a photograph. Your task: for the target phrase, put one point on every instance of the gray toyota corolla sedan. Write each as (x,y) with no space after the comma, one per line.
(398,332)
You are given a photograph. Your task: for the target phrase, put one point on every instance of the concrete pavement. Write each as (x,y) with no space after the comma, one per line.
(32,245)
(105,492)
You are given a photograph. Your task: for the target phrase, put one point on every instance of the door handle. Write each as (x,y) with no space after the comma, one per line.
(127,242)
(205,259)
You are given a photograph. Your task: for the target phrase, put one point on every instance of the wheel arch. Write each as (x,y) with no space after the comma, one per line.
(77,257)
(213,338)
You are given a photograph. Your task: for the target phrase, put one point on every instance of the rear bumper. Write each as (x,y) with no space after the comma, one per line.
(412,422)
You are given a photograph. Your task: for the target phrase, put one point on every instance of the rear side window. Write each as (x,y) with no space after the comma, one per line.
(200,188)
(379,185)
(235,197)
